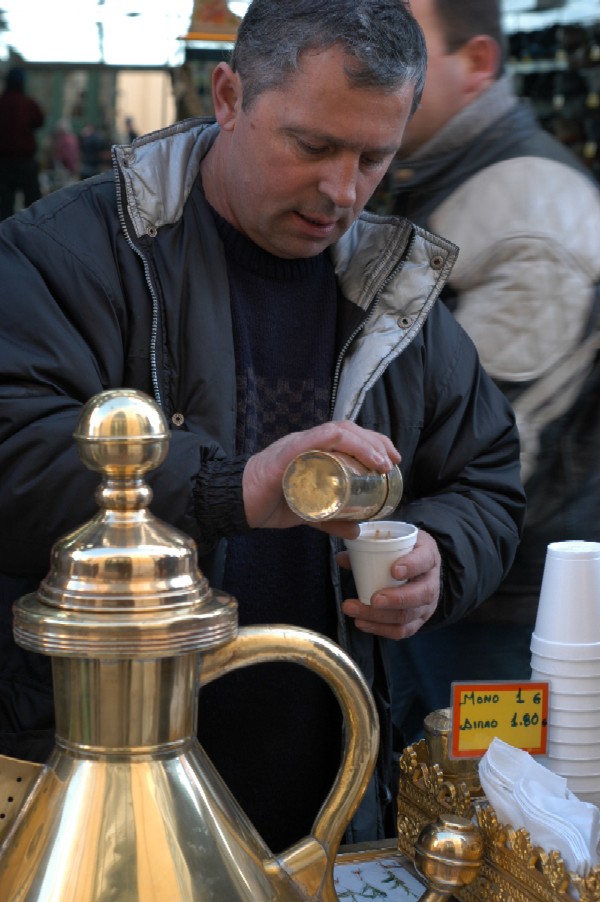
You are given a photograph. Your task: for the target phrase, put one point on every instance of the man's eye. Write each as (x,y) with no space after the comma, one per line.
(372,162)
(311,149)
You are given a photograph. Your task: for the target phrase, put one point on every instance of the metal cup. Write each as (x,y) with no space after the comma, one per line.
(326,485)
(437,727)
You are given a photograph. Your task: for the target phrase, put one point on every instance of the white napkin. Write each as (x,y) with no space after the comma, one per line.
(525,794)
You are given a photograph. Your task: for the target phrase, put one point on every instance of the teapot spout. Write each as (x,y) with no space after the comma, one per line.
(17,779)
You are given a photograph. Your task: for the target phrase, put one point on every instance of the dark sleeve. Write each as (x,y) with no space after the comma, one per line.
(464,482)
(66,327)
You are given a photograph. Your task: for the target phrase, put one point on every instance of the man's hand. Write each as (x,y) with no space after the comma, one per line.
(264,502)
(397,612)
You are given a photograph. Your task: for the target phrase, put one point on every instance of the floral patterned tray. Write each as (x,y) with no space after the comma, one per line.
(380,874)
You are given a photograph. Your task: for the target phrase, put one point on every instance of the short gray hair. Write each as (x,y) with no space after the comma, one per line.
(462,20)
(384,43)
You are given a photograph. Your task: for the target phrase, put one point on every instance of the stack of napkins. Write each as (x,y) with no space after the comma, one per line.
(525,794)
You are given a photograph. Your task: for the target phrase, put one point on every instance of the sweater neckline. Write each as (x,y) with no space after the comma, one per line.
(244,252)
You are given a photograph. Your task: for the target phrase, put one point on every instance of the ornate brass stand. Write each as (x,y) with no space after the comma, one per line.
(513,869)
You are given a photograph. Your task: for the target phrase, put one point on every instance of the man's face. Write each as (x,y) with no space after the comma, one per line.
(296,169)
(445,85)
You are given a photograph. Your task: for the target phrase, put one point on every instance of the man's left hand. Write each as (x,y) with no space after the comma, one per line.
(397,612)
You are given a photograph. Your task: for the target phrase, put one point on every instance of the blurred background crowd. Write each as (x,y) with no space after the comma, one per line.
(98,90)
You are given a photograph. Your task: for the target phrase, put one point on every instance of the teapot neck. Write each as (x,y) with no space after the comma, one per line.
(125,706)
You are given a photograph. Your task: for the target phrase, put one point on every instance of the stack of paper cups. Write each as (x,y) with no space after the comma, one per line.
(565,652)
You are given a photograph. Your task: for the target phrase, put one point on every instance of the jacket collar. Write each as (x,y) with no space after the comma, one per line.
(157,172)
(156,175)
(486,130)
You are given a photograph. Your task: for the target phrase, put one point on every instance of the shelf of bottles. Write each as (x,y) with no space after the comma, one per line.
(558,69)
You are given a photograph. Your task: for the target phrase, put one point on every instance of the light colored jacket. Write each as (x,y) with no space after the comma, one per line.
(526,217)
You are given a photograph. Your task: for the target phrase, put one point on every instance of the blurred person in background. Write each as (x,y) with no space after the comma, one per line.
(94,148)
(131,132)
(20,117)
(60,158)
(65,148)
(476,167)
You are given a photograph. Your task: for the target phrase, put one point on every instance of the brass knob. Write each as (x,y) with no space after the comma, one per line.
(448,854)
(125,584)
(122,432)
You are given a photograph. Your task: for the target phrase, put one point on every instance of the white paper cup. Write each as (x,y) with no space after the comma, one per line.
(564,728)
(574,767)
(569,605)
(567,669)
(568,750)
(585,786)
(565,651)
(577,688)
(585,783)
(566,700)
(563,711)
(566,725)
(374,551)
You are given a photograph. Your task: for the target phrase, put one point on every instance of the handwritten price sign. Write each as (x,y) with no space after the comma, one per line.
(517,713)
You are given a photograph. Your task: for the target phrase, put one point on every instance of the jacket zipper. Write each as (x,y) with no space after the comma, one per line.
(142,256)
(336,543)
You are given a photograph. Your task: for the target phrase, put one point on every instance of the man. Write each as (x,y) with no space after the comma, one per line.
(20,117)
(130,130)
(476,167)
(227,270)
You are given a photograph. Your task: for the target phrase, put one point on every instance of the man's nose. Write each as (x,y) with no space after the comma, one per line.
(338,181)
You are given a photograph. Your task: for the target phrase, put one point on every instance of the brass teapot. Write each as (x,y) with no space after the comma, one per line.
(129,808)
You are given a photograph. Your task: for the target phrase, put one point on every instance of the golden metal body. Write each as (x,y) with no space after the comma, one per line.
(448,853)
(437,727)
(513,868)
(327,485)
(129,807)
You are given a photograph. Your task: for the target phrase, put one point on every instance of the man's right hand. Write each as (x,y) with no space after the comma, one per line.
(264,501)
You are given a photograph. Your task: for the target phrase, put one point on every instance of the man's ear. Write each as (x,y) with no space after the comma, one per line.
(483,56)
(226,95)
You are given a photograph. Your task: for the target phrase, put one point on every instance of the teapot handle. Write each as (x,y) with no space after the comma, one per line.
(310,861)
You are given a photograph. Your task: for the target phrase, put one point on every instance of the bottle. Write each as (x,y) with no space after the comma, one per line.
(328,485)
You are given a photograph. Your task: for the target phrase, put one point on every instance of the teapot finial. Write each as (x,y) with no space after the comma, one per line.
(122,431)
(125,584)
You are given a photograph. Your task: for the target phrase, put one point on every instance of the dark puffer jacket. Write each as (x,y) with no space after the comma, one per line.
(101,290)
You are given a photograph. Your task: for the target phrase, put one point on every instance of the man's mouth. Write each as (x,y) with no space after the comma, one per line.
(319,223)
(318,220)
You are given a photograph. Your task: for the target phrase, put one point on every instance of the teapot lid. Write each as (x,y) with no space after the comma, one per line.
(125,584)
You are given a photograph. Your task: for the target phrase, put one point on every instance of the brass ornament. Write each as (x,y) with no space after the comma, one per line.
(129,806)
(513,869)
